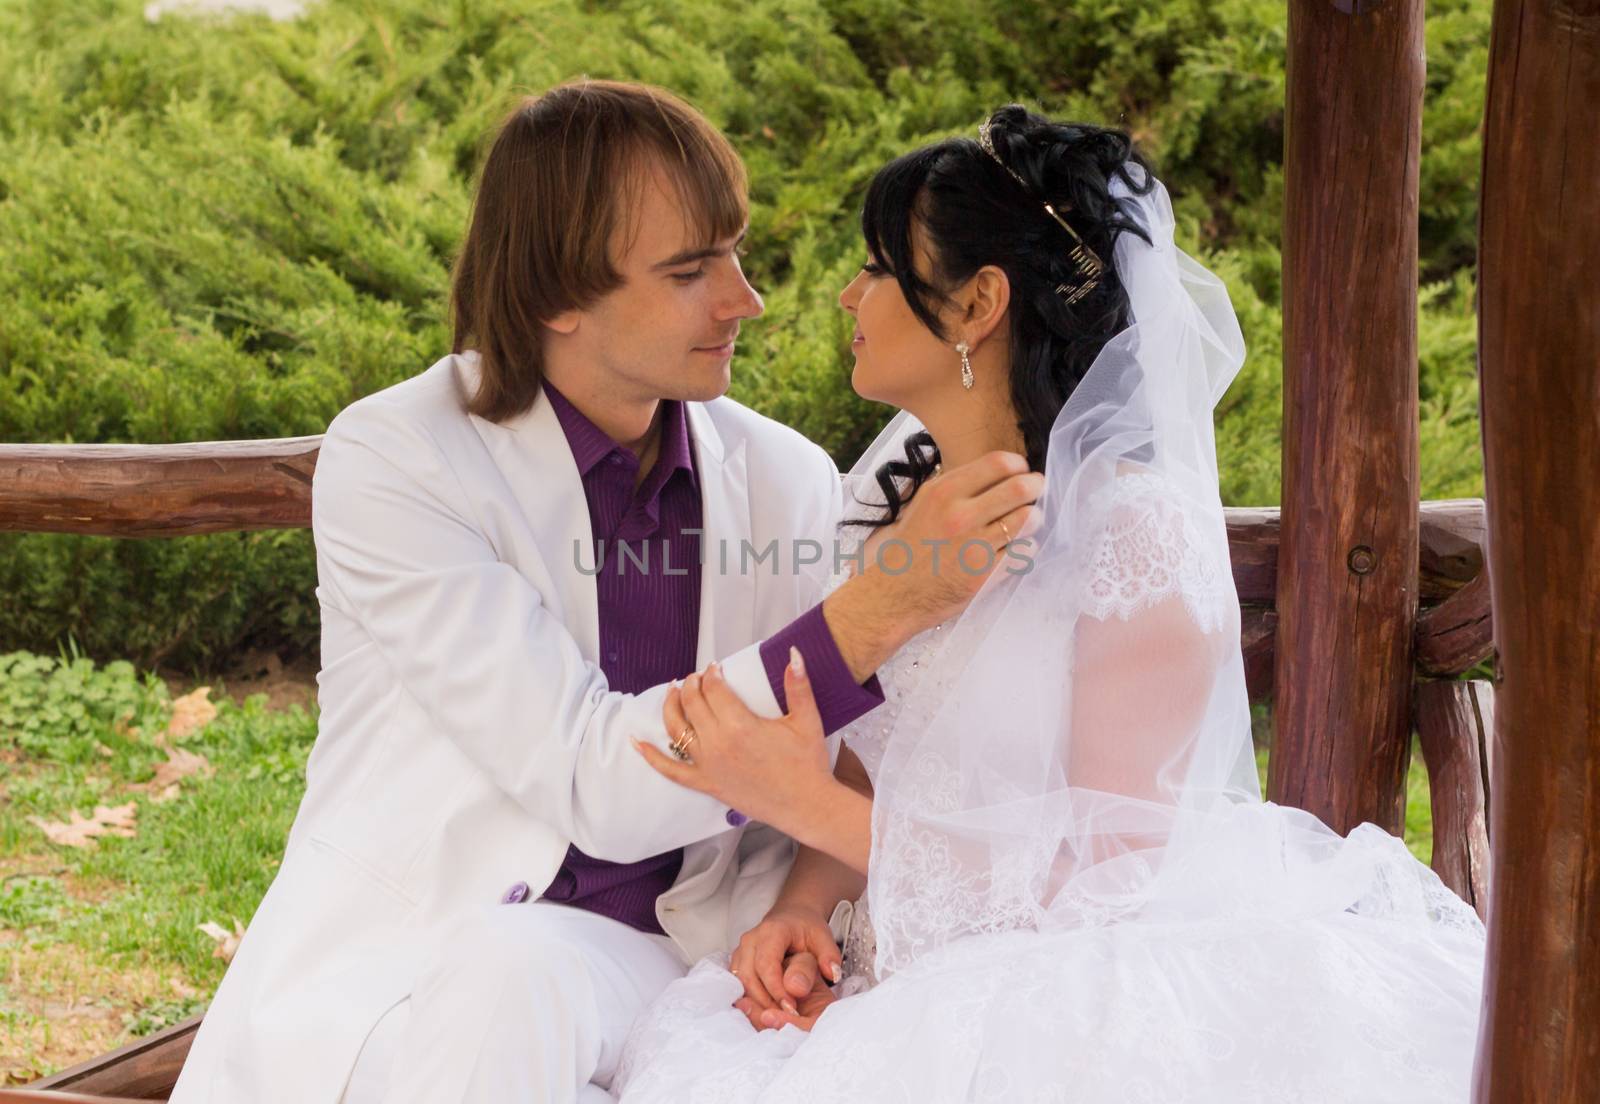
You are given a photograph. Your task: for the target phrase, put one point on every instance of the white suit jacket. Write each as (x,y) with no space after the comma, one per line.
(467,734)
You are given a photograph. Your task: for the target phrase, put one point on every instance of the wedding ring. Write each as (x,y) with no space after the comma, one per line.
(680,745)
(1004,530)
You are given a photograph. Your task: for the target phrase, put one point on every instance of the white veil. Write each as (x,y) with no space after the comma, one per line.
(1078,747)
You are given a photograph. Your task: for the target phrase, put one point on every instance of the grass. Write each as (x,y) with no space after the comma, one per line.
(101,945)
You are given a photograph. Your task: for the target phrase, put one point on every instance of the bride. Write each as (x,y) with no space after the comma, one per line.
(1073,890)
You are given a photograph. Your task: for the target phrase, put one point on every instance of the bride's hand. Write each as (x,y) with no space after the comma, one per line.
(778,960)
(810,1007)
(770,770)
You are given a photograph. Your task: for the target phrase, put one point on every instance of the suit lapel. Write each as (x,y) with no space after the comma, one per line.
(532,453)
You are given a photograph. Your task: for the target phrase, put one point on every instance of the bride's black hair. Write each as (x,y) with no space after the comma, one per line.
(975,213)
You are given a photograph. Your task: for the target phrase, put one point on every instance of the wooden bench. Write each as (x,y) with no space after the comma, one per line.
(144,491)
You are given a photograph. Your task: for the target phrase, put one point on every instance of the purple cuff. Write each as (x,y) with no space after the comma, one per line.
(840,699)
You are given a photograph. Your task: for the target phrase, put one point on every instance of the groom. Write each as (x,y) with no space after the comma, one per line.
(518,550)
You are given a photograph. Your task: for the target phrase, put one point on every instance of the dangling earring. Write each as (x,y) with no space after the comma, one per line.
(966,365)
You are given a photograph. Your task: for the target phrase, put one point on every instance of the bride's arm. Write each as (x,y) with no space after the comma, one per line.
(837,823)
(779,960)
(819,881)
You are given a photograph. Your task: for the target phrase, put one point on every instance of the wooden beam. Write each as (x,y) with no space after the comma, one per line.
(31,1096)
(1539,374)
(221,486)
(1458,633)
(1454,720)
(1258,628)
(157,490)
(145,1069)
(1348,571)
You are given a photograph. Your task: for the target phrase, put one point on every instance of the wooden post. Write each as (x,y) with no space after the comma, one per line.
(1454,720)
(1539,373)
(1347,574)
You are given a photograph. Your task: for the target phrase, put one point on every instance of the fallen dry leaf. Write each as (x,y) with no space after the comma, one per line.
(80,831)
(163,785)
(180,764)
(227,941)
(190,713)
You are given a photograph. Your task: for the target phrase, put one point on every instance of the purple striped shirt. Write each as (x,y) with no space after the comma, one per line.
(647,584)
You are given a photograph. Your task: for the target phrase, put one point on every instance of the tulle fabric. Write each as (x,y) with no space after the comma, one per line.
(1075,891)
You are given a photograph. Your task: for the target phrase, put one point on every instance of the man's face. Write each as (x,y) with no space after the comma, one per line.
(668,331)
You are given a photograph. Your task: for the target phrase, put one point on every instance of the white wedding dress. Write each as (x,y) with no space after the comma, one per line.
(1339,971)
(1075,890)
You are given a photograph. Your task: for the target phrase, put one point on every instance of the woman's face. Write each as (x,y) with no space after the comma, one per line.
(897,357)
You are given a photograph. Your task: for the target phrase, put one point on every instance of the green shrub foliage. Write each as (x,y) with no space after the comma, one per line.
(232,228)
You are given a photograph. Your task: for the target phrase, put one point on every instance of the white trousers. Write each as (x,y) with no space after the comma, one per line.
(523,1004)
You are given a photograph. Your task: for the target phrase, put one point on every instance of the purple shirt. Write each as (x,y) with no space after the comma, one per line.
(647,575)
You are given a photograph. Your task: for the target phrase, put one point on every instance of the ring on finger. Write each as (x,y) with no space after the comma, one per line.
(1004,530)
(681,743)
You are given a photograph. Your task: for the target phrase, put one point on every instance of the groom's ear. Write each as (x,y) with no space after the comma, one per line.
(987,295)
(565,323)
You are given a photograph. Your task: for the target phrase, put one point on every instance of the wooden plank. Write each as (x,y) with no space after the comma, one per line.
(1452,535)
(1348,567)
(31,1096)
(157,490)
(222,486)
(1458,634)
(1258,629)
(1454,720)
(145,1069)
(1539,374)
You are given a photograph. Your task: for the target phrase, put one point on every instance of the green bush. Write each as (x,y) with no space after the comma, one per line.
(230,229)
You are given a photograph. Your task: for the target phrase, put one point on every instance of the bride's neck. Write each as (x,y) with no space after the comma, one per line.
(965,435)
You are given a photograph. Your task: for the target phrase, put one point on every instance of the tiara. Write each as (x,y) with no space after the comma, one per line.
(1089,267)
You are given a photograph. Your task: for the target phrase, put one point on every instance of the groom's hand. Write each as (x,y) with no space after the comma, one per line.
(801,969)
(929,564)
(762,962)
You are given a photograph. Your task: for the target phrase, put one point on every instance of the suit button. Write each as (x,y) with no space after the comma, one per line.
(736,818)
(516,894)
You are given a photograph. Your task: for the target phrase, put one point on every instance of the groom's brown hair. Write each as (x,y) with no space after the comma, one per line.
(562,175)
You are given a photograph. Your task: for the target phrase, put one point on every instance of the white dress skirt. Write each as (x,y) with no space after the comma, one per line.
(1291,987)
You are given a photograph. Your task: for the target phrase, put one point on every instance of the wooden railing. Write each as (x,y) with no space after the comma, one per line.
(229,486)
(157,490)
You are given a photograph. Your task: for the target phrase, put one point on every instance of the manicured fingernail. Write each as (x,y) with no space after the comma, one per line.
(788,1006)
(797,662)
(836,971)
